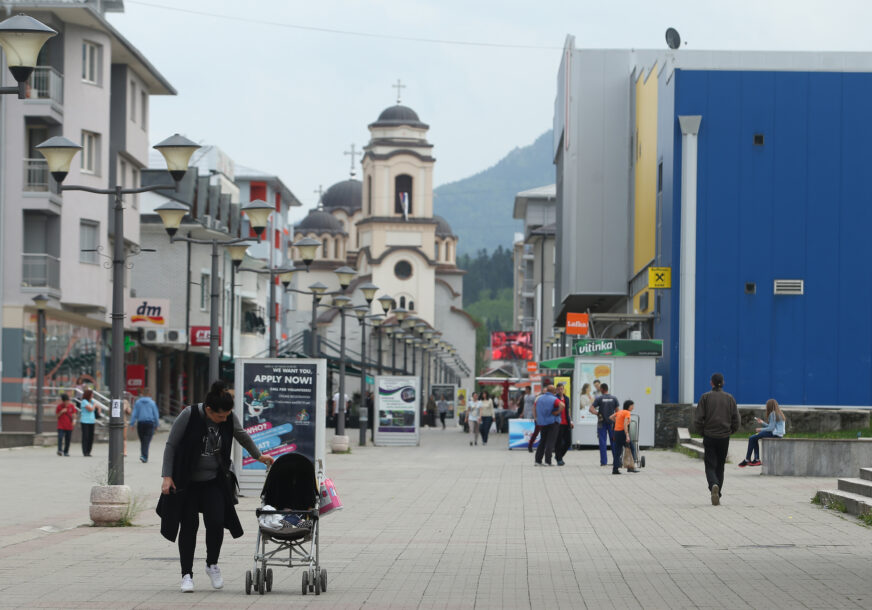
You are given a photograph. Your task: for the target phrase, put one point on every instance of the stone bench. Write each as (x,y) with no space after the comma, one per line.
(815,457)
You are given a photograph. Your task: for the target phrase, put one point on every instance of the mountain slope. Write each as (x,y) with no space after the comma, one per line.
(479,208)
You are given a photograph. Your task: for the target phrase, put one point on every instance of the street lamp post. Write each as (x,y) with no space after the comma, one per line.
(171,214)
(341,303)
(40,301)
(59,152)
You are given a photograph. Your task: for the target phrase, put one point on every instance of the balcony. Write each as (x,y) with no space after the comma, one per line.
(41,271)
(36,176)
(46,83)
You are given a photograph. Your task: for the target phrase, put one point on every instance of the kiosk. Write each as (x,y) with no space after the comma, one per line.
(628,367)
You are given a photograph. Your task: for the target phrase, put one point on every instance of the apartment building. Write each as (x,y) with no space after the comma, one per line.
(92,86)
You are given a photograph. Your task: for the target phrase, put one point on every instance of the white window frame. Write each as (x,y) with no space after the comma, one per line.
(90,155)
(132,101)
(205,290)
(92,56)
(85,227)
(143,108)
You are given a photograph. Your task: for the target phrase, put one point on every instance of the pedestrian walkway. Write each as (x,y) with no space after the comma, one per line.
(446,525)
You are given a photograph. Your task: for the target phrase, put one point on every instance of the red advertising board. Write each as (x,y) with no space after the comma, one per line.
(514,345)
(576,323)
(201,335)
(135,378)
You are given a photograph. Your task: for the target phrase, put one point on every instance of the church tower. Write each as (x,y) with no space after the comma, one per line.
(397,231)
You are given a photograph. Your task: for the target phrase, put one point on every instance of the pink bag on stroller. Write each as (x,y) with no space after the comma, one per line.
(329,498)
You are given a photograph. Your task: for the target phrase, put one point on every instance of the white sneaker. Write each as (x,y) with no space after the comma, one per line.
(187,583)
(214,572)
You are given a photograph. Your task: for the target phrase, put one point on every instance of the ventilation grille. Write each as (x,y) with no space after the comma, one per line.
(789,287)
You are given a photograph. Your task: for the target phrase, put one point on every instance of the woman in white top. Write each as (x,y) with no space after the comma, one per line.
(586,398)
(473,415)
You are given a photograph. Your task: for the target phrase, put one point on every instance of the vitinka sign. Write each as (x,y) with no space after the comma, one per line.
(618,347)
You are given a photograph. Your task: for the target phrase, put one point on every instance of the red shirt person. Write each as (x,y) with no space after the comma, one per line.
(65,412)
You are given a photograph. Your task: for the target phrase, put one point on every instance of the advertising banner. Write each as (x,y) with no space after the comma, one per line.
(147,313)
(397,404)
(281,404)
(460,405)
(446,392)
(514,345)
(135,378)
(520,431)
(201,336)
(618,347)
(576,323)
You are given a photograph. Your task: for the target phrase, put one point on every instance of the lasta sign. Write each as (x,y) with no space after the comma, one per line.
(576,324)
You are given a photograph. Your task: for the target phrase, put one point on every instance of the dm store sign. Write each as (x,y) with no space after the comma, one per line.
(148,313)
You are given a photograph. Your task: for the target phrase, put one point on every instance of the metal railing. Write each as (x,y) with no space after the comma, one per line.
(41,271)
(47,83)
(36,175)
(528,286)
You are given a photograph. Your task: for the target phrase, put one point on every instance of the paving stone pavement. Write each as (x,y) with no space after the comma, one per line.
(446,525)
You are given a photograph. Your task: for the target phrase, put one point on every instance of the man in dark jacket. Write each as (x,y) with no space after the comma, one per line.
(604,406)
(717,417)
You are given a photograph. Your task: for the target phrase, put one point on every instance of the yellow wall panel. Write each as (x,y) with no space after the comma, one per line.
(645,167)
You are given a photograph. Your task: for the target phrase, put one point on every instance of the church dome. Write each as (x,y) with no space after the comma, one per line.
(319,221)
(395,116)
(443,229)
(346,195)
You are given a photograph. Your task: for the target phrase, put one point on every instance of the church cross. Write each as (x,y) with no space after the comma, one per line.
(354,153)
(399,87)
(320,192)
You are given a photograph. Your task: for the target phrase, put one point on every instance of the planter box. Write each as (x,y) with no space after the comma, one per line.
(813,457)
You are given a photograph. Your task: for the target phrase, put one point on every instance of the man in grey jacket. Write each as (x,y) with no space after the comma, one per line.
(717,417)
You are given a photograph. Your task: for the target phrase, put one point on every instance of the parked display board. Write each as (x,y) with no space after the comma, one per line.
(397,404)
(446,392)
(520,431)
(281,404)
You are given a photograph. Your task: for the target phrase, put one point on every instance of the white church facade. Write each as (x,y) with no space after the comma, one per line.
(384,227)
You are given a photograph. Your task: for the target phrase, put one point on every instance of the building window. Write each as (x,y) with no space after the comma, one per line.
(143,108)
(92,55)
(90,152)
(403,302)
(205,286)
(324,250)
(133,101)
(336,248)
(403,270)
(411,305)
(369,195)
(122,173)
(437,250)
(403,195)
(89,239)
(134,182)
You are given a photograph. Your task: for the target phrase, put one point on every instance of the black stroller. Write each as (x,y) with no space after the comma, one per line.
(291,488)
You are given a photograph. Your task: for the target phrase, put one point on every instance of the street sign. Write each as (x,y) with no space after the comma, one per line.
(531,366)
(659,277)
(576,323)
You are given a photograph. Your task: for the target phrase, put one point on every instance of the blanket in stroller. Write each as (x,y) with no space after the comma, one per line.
(280,525)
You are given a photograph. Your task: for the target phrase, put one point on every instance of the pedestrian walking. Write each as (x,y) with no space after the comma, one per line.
(486,411)
(547,420)
(65,412)
(126,410)
(197,479)
(621,421)
(564,429)
(88,419)
(146,417)
(529,399)
(716,417)
(774,427)
(537,429)
(604,406)
(442,406)
(473,411)
(370,412)
(430,415)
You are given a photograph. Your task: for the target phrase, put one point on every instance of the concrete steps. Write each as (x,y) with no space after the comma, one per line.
(693,445)
(854,493)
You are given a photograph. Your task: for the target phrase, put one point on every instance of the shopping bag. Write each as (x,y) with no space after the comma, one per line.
(329,498)
(628,458)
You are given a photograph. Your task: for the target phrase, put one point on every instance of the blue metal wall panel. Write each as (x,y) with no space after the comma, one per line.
(797,207)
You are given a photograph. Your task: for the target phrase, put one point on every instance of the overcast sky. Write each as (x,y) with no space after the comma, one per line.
(265,81)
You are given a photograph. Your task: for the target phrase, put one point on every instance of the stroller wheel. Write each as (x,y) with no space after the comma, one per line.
(324,580)
(269,578)
(305,582)
(317,586)
(261,584)
(642,461)
(248,582)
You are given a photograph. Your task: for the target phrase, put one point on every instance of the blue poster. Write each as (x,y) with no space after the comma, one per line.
(520,431)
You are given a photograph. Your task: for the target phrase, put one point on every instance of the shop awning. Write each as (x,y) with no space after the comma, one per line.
(566,362)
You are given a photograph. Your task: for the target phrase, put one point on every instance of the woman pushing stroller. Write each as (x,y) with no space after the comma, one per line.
(196,467)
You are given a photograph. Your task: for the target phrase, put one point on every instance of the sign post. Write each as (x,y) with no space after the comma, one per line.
(281,404)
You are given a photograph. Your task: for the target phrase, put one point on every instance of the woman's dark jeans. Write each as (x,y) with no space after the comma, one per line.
(205,497)
(485,427)
(87,438)
(754,445)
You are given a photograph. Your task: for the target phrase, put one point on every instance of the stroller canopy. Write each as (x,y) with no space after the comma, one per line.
(291,483)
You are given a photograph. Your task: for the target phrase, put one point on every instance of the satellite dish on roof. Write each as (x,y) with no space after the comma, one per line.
(673,39)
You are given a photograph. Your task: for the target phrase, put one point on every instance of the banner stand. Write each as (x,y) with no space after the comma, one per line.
(397,410)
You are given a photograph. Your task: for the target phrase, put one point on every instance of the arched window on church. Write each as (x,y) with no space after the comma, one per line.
(403,195)
(437,251)
(411,305)
(336,248)
(403,302)
(369,195)
(324,248)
